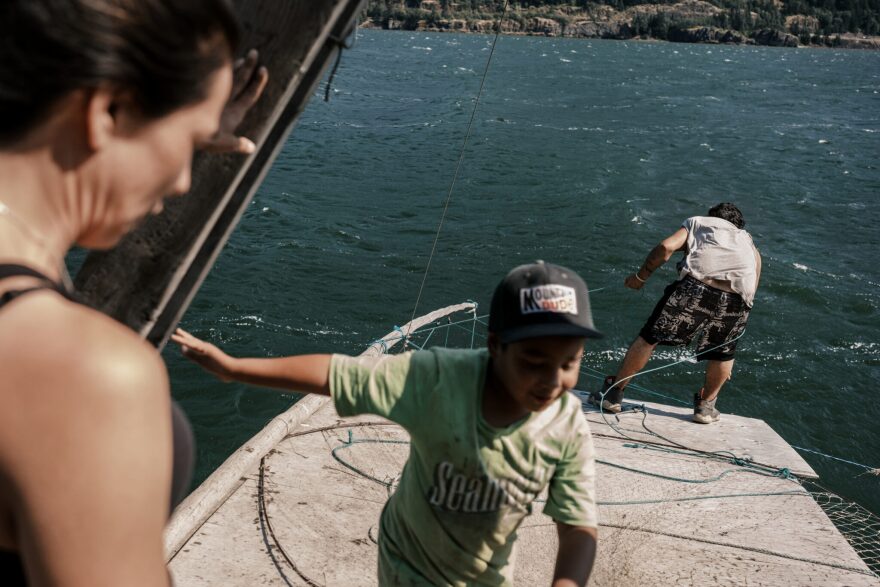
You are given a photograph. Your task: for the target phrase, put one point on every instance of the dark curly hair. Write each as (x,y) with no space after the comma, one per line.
(163,51)
(729,212)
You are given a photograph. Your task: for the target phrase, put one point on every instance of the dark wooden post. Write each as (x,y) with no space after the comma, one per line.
(149,279)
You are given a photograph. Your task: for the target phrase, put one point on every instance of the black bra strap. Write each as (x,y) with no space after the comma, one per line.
(13,270)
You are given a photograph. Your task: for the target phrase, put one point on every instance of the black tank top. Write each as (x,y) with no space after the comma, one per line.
(11,569)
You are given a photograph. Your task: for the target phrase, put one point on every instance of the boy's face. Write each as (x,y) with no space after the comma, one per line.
(535,372)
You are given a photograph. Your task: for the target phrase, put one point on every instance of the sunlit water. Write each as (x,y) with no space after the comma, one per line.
(584,153)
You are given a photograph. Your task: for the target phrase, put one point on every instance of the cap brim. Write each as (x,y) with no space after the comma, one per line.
(539,330)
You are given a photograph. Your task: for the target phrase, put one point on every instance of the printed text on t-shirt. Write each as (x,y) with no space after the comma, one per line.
(460,493)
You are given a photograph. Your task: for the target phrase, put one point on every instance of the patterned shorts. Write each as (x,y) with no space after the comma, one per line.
(689,307)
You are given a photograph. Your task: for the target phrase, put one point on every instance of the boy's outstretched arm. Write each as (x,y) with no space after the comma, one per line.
(300,373)
(574,560)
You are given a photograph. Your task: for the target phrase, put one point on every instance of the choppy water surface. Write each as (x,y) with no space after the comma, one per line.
(585,153)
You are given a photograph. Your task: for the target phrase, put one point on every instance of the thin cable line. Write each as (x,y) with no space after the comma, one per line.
(460,159)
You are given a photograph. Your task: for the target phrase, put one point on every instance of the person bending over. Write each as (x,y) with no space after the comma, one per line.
(718,277)
(490,429)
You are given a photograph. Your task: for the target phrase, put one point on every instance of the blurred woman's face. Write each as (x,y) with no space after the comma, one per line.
(147,161)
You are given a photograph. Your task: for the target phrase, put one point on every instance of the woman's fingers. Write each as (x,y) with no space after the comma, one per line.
(229,143)
(254,89)
(242,71)
(248,83)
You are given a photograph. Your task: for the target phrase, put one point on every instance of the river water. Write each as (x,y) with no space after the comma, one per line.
(585,153)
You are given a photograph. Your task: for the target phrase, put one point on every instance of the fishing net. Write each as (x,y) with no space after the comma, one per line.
(859,526)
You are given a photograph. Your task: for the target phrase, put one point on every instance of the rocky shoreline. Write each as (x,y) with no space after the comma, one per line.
(643,21)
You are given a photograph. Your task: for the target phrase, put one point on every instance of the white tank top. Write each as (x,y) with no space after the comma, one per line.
(717,249)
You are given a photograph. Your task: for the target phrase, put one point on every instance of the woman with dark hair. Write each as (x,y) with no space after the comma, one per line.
(101,105)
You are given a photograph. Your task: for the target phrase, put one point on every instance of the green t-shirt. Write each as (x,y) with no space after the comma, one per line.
(466,486)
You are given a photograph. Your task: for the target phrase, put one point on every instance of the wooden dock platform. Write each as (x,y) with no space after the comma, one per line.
(307,513)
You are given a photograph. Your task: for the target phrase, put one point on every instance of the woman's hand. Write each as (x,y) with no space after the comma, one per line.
(205,354)
(248,83)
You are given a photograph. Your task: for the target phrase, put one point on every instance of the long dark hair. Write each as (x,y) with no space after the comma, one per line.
(163,51)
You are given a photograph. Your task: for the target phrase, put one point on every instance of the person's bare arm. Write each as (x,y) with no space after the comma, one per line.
(300,373)
(574,559)
(677,241)
(86,449)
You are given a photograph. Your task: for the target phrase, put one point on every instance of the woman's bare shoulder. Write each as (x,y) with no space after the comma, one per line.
(60,358)
(85,404)
(44,335)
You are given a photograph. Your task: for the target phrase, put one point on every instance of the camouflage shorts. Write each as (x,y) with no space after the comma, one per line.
(690,308)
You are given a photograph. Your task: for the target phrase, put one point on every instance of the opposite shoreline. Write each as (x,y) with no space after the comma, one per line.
(687,21)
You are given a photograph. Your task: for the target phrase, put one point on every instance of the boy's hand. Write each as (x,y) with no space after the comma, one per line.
(248,83)
(205,354)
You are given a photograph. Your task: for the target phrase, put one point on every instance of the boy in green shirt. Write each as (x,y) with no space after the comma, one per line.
(490,429)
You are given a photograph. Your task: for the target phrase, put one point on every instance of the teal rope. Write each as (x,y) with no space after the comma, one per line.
(694,498)
(700,498)
(595,373)
(783,473)
(721,455)
(724,456)
(868,469)
(351,442)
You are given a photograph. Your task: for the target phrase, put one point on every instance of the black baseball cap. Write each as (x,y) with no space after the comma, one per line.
(541,299)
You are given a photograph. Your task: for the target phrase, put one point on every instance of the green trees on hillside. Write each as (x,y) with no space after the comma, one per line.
(833,16)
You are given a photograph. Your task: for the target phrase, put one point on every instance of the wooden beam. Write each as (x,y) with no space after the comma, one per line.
(149,279)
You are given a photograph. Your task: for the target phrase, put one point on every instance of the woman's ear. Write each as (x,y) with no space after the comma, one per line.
(102,106)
